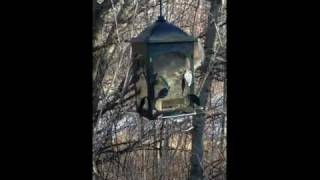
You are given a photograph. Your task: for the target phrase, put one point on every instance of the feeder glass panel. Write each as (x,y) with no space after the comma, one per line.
(171,63)
(141,85)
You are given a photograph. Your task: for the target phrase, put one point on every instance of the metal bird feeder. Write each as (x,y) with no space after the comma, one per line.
(164,70)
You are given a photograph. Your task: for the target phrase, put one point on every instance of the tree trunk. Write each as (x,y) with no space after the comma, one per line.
(223,125)
(199,121)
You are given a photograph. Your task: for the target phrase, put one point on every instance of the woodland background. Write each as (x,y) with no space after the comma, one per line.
(126,146)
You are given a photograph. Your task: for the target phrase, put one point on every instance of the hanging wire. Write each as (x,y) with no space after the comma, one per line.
(161,18)
(160,7)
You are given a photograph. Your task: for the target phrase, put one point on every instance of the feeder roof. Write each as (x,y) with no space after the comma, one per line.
(162,32)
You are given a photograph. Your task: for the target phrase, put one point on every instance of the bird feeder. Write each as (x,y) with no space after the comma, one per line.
(164,69)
